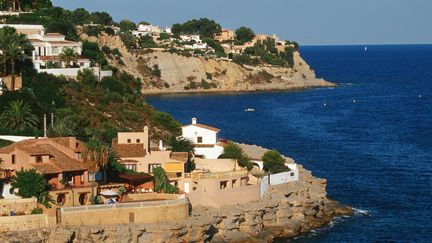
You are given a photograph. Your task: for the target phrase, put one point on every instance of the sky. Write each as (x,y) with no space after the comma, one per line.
(310,22)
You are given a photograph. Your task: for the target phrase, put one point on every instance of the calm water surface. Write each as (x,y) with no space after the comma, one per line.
(372,141)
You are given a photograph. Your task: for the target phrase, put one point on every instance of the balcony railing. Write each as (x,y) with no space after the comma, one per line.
(219,175)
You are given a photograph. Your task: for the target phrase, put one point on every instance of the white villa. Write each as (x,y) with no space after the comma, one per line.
(195,38)
(47,50)
(153,30)
(205,138)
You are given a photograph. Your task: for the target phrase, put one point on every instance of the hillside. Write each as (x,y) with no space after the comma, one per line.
(181,74)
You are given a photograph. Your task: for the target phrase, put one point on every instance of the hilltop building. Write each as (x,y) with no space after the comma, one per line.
(48,48)
(205,139)
(225,35)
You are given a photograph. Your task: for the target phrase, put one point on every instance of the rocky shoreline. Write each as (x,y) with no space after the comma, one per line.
(287,210)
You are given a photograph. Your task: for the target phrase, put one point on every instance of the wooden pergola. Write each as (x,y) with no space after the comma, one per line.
(134,181)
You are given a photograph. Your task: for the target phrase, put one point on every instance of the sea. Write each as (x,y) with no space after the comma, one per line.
(370,137)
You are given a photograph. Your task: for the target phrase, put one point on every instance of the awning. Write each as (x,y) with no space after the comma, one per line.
(108,193)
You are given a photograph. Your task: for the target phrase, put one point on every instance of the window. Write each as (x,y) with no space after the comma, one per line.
(13,159)
(61,199)
(38,159)
(234,183)
(151,167)
(91,176)
(138,141)
(131,167)
(199,139)
(223,184)
(82,199)
(129,140)
(76,145)
(78,155)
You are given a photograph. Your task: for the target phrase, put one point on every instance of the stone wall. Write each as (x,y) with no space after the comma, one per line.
(24,222)
(286,210)
(17,206)
(124,213)
(153,196)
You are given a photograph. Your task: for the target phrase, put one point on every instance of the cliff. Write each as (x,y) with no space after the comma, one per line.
(286,210)
(181,74)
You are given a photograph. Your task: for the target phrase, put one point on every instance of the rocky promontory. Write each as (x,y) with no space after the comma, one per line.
(191,74)
(286,210)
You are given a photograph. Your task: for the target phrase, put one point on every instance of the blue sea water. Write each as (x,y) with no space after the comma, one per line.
(376,152)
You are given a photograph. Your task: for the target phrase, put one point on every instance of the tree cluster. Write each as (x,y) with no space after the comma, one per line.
(233,151)
(203,27)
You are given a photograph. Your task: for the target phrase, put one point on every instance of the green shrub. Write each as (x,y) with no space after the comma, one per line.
(156,71)
(37,211)
(165,120)
(209,76)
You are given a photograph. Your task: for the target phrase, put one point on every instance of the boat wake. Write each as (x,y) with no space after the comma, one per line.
(361,212)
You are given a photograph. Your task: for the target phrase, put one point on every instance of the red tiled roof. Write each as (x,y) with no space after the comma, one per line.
(53,34)
(180,156)
(203,145)
(59,161)
(128,150)
(46,168)
(204,126)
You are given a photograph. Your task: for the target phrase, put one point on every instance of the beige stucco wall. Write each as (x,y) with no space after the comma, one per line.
(72,195)
(153,196)
(216,165)
(19,205)
(216,197)
(25,222)
(155,157)
(148,214)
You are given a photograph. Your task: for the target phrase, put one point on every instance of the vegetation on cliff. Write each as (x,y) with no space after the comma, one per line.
(86,107)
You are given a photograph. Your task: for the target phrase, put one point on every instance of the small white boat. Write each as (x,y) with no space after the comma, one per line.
(249,110)
(366,48)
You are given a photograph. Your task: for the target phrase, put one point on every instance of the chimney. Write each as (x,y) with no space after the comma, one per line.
(194,121)
(161,148)
(146,140)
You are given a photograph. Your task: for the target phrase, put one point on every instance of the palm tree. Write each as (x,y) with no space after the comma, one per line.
(69,56)
(15,51)
(96,157)
(18,116)
(6,35)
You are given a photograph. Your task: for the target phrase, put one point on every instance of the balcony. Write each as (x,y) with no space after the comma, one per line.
(218,175)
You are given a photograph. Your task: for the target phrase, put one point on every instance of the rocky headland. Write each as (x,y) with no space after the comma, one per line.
(185,74)
(286,210)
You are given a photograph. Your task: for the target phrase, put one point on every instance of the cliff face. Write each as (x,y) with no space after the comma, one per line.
(286,210)
(178,72)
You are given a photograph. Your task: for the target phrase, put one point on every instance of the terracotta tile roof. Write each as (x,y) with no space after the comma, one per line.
(37,149)
(128,161)
(46,168)
(204,126)
(57,58)
(203,145)
(59,162)
(65,42)
(36,40)
(180,156)
(11,148)
(128,150)
(53,34)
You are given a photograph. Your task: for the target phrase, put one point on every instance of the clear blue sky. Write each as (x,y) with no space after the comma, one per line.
(310,22)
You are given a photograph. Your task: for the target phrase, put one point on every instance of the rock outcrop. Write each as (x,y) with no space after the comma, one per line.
(181,74)
(286,210)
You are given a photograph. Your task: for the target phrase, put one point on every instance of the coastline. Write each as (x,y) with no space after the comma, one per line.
(158,92)
(286,211)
